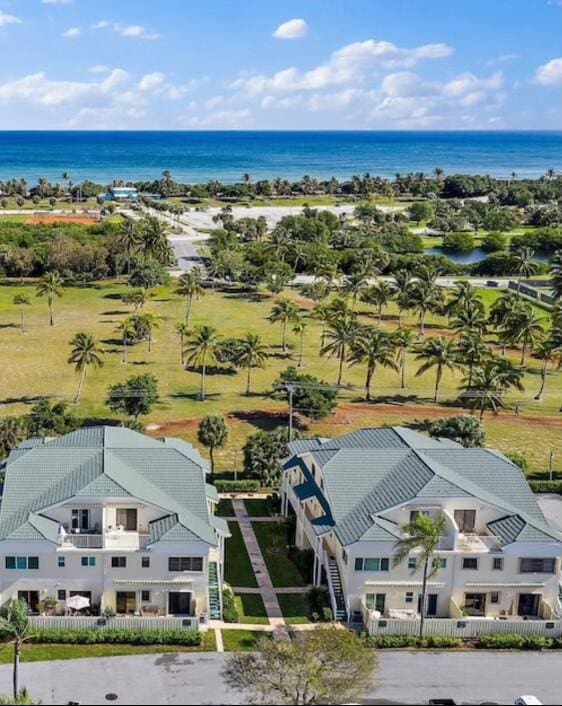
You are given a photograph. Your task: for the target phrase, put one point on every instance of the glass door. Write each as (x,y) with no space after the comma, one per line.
(126,602)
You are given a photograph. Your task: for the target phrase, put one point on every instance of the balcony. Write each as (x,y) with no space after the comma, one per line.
(477,543)
(115,538)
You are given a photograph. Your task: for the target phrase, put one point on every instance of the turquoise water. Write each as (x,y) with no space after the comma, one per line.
(473,256)
(200,156)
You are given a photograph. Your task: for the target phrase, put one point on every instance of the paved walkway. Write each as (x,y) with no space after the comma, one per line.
(291,590)
(267,590)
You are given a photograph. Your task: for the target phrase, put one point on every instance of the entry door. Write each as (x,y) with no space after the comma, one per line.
(179,603)
(431,604)
(126,602)
(529,604)
(475,603)
(31,598)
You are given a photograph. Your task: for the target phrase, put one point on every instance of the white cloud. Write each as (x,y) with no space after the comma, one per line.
(152,81)
(550,74)
(128,31)
(292,29)
(352,64)
(7,19)
(72,33)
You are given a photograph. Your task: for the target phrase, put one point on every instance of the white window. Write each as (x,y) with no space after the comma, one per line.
(412,562)
(409,597)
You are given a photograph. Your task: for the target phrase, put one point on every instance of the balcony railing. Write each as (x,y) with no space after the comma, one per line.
(111,539)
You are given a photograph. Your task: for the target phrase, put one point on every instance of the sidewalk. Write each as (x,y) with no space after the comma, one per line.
(267,590)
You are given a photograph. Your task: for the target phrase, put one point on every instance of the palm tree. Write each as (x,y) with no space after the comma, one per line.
(423,296)
(14,623)
(353,287)
(464,297)
(379,295)
(472,350)
(85,353)
(403,342)
(154,240)
(526,266)
(284,312)
(190,287)
(503,310)
(300,327)
(182,331)
(128,331)
(136,297)
(491,381)
(402,283)
(322,313)
(525,328)
(439,353)
(556,274)
(129,239)
(22,300)
(372,347)
(545,351)
(421,535)
(201,349)
(470,320)
(51,286)
(150,322)
(250,353)
(340,336)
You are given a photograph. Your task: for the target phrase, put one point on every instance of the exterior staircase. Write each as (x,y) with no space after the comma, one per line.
(336,592)
(215,611)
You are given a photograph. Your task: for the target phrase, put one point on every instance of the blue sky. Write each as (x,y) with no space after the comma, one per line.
(319,64)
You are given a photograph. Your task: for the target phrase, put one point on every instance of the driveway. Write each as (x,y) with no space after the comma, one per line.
(403,678)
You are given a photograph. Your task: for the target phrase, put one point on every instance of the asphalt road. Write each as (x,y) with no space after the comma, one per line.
(403,678)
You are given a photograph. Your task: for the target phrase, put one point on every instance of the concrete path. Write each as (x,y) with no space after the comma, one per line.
(267,590)
(291,590)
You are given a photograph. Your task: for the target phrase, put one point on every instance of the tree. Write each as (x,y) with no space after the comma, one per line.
(51,286)
(423,296)
(311,397)
(129,240)
(135,397)
(128,330)
(422,535)
(339,338)
(284,312)
(525,264)
(438,353)
(148,275)
(546,351)
(321,666)
(379,295)
(201,349)
(556,274)
(85,354)
(250,352)
(182,331)
(154,243)
(212,433)
(13,430)
(372,347)
(136,298)
(190,286)
(402,284)
(22,300)
(472,350)
(300,327)
(465,430)
(524,327)
(46,419)
(490,383)
(263,453)
(14,623)
(403,342)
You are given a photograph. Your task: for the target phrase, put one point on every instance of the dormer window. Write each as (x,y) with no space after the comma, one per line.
(465,520)
(127,518)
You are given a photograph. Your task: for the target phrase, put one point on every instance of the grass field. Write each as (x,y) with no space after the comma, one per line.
(294,608)
(251,609)
(35,366)
(242,640)
(238,569)
(273,540)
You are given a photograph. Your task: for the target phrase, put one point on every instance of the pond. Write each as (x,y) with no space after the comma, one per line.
(472,256)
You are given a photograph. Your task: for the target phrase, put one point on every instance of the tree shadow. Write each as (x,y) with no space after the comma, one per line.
(212,371)
(195,396)
(3,326)
(115,313)
(25,399)
(266,421)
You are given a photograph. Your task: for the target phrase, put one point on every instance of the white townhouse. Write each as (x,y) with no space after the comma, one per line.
(498,558)
(124,520)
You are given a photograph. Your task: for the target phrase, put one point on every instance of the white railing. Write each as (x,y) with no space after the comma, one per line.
(83,541)
(114,539)
(100,624)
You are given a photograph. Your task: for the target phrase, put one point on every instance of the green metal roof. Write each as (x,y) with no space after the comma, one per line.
(105,462)
(360,482)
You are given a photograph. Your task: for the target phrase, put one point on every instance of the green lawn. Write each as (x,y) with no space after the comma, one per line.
(37,367)
(273,541)
(260,507)
(44,653)
(251,609)
(224,508)
(238,569)
(294,608)
(242,640)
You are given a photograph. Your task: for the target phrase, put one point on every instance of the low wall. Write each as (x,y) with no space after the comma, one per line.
(94,623)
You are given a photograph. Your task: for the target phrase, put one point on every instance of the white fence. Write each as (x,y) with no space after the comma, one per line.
(464,627)
(101,623)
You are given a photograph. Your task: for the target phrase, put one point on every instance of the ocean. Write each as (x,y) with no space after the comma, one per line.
(196,157)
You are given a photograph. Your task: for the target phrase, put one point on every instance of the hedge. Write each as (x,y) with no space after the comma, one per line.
(512,641)
(546,486)
(189,638)
(507,641)
(237,486)
(442,642)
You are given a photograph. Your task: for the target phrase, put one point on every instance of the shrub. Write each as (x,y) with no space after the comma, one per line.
(229,610)
(381,642)
(441,642)
(188,638)
(507,641)
(237,486)
(546,486)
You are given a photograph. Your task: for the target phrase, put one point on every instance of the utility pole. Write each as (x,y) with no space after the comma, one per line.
(291,391)
(550,463)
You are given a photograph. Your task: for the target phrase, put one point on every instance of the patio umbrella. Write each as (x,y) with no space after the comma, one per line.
(78,602)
